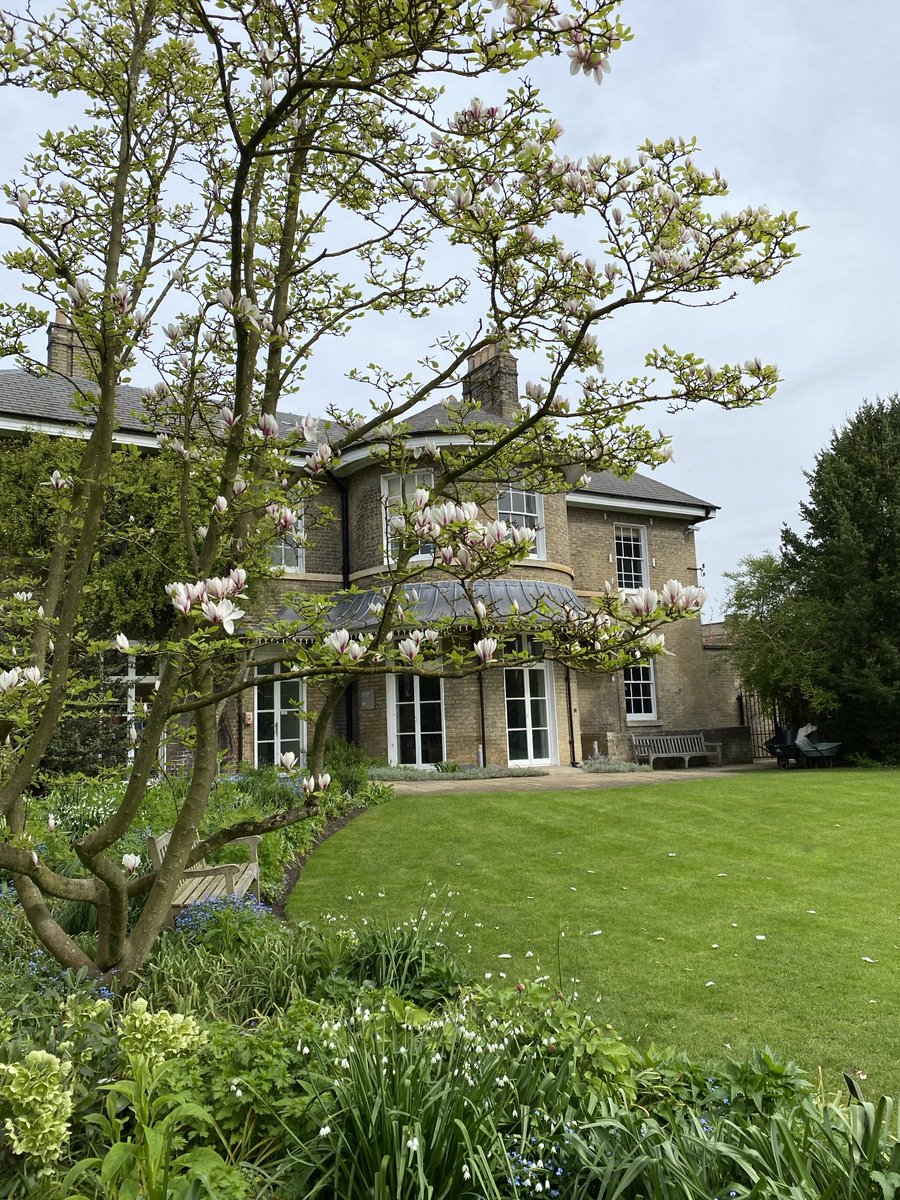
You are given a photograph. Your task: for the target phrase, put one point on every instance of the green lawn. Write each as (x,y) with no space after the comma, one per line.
(733,912)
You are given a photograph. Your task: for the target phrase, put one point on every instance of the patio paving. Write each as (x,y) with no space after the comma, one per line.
(571,779)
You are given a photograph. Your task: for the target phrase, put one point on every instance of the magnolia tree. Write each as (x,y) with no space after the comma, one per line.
(248,180)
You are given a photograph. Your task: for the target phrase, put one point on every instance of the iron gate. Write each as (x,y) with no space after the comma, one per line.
(761,723)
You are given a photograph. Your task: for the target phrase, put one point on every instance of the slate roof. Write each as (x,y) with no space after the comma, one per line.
(447,599)
(49,398)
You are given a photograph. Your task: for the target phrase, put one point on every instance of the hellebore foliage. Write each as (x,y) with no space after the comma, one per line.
(248,181)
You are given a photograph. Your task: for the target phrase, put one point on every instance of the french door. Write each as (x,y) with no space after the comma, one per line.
(279,725)
(416,720)
(529,710)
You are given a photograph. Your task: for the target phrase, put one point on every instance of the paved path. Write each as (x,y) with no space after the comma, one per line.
(560,779)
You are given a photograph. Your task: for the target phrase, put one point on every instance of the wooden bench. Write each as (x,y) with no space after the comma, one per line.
(674,745)
(203,882)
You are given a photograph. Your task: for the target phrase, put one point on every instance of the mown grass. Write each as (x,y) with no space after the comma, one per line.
(734,912)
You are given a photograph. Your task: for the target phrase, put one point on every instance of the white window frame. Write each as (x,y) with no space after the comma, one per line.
(513,514)
(651,681)
(278,709)
(131,680)
(394,733)
(292,541)
(641,531)
(408,484)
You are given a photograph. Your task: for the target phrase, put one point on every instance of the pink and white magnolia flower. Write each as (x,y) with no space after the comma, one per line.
(307,427)
(131,862)
(59,481)
(339,640)
(33,676)
(671,592)
(495,532)
(355,651)
(520,536)
(480,609)
(219,588)
(23,597)
(432,636)
(122,643)
(238,487)
(289,761)
(485,649)
(642,602)
(324,781)
(223,613)
(238,577)
(9,679)
(409,648)
(268,426)
(181,599)
(692,599)
(220,505)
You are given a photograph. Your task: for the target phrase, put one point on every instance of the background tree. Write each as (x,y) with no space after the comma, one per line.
(251,179)
(816,625)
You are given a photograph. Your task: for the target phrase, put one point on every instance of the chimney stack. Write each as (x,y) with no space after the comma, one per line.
(65,352)
(492,381)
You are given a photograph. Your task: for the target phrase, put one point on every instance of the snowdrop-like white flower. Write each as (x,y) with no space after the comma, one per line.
(131,862)
(485,649)
(324,1131)
(413,1144)
(122,643)
(223,613)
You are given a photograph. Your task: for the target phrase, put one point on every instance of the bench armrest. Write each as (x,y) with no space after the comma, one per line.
(253,842)
(717,746)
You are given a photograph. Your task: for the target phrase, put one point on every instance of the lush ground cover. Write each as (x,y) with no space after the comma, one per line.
(716,915)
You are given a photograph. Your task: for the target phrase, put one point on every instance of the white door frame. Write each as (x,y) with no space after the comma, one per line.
(550,697)
(393,732)
(278,710)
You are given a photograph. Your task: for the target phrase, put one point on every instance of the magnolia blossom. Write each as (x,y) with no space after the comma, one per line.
(33,676)
(131,862)
(409,648)
(221,504)
(238,577)
(122,643)
(59,481)
(494,533)
(223,613)
(180,597)
(355,651)
(268,426)
(485,649)
(9,680)
(654,642)
(238,487)
(323,781)
(691,599)
(219,588)
(671,592)
(642,602)
(289,760)
(22,596)
(480,608)
(339,640)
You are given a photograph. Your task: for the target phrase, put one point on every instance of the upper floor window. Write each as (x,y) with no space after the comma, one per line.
(525,509)
(287,553)
(631,557)
(640,693)
(397,495)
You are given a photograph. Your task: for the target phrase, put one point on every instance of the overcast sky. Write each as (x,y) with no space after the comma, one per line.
(798,103)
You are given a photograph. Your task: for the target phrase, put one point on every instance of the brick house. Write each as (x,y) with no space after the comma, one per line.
(635,533)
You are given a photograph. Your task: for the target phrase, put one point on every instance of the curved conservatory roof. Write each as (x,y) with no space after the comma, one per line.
(448,599)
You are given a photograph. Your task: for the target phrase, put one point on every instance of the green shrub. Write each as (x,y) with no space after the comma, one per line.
(347,765)
(420,774)
(603,765)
